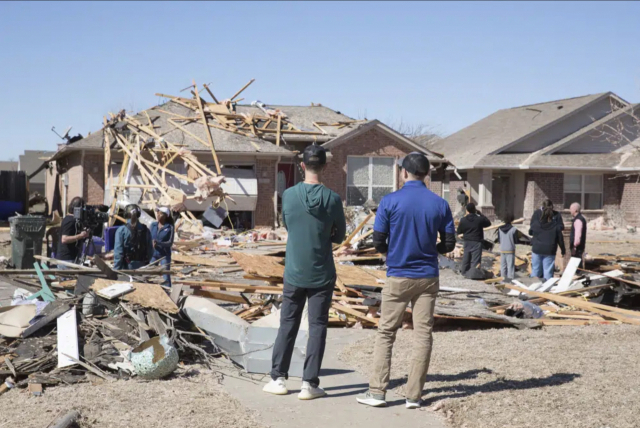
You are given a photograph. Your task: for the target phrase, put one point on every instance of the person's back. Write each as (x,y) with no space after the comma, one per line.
(414,216)
(472,227)
(314,218)
(408,223)
(508,238)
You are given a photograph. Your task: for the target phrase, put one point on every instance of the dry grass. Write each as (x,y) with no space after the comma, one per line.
(569,377)
(194,400)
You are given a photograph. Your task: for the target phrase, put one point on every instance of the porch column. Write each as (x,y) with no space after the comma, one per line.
(485,190)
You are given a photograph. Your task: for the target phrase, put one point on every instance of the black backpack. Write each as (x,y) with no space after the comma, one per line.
(138,252)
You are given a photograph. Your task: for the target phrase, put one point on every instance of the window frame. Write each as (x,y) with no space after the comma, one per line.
(370,185)
(583,192)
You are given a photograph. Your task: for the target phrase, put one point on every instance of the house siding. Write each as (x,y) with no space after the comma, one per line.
(93,176)
(540,186)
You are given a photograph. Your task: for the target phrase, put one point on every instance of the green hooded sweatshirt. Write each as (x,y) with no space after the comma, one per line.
(314,218)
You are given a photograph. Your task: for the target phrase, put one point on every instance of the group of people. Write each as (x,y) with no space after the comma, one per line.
(406,230)
(546,230)
(135,244)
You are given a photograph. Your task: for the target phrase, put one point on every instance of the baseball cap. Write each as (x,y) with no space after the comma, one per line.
(415,163)
(314,155)
(164,210)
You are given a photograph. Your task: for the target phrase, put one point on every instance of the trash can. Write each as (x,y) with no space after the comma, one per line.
(27,233)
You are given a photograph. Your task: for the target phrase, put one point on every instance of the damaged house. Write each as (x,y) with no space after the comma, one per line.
(584,149)
(255,147)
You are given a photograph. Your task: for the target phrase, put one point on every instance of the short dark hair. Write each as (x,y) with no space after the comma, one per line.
(508,218)
(75,203)
(471,208)
(316,169)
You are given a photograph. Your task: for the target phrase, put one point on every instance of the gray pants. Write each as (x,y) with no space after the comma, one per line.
(472,255)
(293,301)
(508,266)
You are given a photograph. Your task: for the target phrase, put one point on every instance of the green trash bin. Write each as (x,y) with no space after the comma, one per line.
(27,233)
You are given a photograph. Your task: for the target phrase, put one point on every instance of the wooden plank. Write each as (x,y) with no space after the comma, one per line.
(608,311)
(195,260)
(352,235)
(626,281)
(346,310)
(278,132)
(242,89)
(67,338)
(195,137)
(207,130)
(219,296)
(233,286)
(211,93)
(145,294)
(264,266)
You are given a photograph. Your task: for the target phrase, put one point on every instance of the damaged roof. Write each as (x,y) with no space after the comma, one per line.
(225,141)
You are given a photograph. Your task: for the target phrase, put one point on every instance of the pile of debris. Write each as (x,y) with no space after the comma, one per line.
(94,329)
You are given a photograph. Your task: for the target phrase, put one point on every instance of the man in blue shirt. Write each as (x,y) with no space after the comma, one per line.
(408,223)
(133,247)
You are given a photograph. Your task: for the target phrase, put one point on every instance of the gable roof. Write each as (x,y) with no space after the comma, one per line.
(506,127)
(371,124)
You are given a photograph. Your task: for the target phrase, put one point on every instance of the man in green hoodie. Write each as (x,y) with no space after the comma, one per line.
(314,218)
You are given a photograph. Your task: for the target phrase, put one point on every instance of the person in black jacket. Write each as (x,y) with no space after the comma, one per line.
(472,227)
(546,238)
(537,214)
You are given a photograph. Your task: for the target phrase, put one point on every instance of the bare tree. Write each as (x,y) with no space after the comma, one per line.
(421,133)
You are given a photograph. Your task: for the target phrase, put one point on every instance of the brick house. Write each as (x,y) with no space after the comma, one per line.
(584,149)
(362,162)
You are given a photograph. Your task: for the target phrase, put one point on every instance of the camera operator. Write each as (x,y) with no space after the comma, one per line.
(133,246)
(70,236)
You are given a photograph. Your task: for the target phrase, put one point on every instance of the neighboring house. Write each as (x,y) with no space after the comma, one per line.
(30,162)
(570,150)
(362,164)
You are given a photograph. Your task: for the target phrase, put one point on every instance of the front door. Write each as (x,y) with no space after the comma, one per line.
(502,198)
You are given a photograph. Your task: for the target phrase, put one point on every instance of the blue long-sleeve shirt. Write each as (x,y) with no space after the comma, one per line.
(164,240)
(412,217)
(123,246)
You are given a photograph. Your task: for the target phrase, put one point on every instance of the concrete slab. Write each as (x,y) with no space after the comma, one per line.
(339,408)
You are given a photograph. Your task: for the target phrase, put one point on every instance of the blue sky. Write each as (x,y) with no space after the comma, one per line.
(445,65)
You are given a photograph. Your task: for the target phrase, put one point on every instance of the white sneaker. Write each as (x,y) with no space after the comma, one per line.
(276,387)
(309,392)
(373,400)
(412,404)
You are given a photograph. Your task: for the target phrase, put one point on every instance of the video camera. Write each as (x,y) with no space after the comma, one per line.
(91,217)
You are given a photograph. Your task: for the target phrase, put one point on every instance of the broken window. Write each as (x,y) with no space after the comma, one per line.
(583,189)
(369,178)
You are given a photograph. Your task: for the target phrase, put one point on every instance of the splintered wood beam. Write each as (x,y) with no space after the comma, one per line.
(242,90)
(207,130)
(279,126)
(211,93)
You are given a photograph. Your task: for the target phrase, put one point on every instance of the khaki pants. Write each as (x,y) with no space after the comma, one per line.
(396,295)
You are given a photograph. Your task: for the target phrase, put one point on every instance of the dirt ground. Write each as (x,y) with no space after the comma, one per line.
(570,377)
(193,399)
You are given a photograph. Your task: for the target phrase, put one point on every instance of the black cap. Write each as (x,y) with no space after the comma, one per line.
(471,208)
(314,155)
(415,163)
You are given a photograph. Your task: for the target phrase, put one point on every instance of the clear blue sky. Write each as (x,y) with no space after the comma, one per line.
(442,64)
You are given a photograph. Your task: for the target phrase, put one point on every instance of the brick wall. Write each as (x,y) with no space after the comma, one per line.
(266,173)
(93,185)
(630,200)
(370,143)
(540,186)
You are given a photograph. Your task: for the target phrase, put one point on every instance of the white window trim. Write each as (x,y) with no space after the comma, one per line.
(371,185)
(582,190)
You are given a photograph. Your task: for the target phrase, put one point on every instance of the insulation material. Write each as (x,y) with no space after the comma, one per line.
(207,186)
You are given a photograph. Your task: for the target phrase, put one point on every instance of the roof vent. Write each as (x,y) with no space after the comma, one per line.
(560,107)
